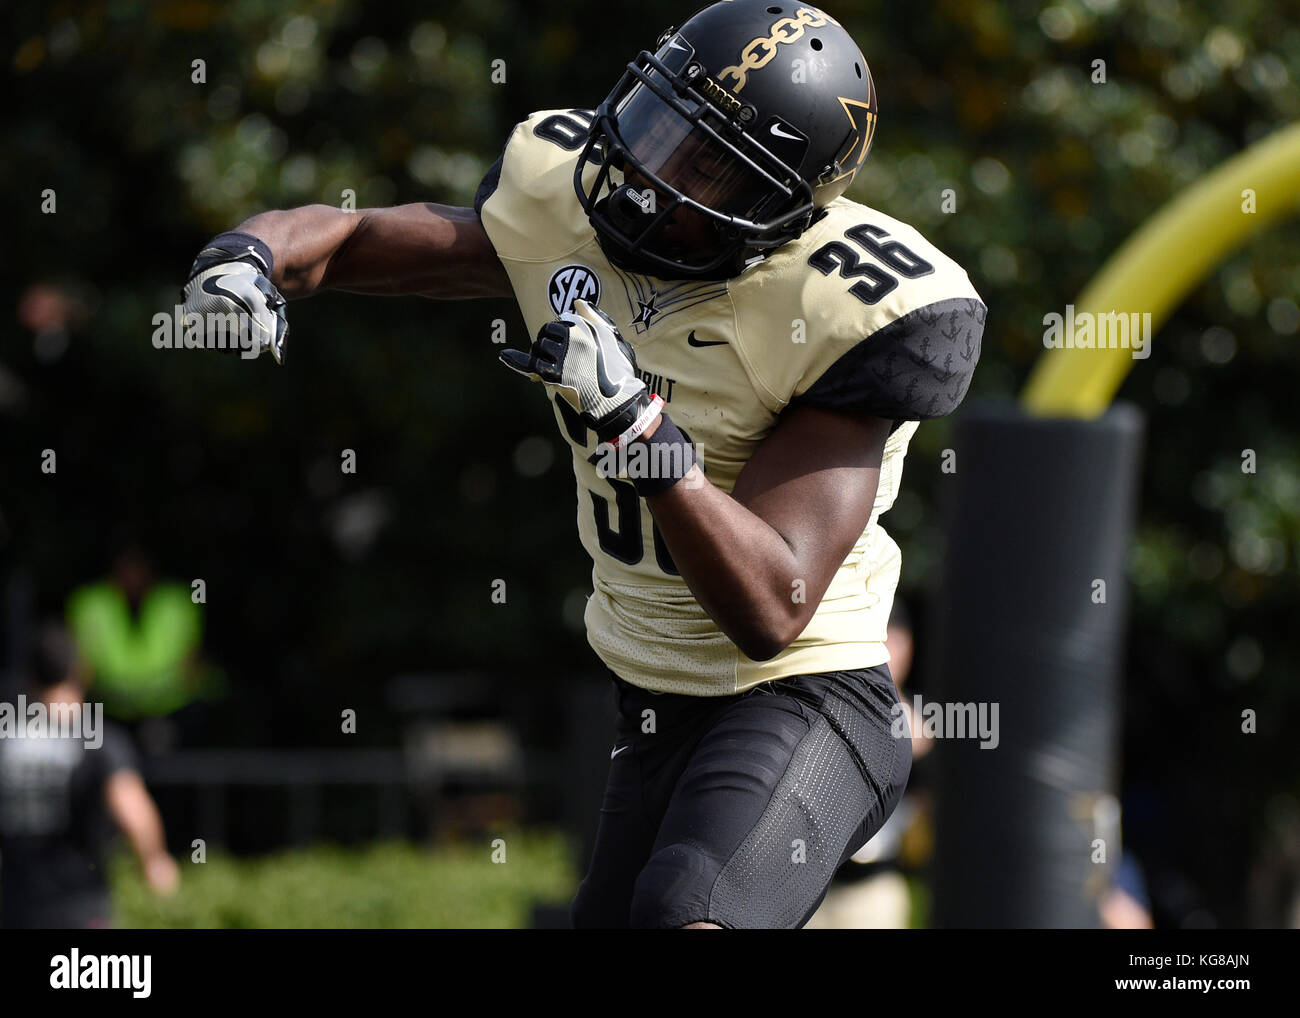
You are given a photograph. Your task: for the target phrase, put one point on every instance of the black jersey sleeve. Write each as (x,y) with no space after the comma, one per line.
(916,368)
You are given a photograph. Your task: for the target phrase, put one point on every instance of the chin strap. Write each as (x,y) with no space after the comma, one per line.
(629,261)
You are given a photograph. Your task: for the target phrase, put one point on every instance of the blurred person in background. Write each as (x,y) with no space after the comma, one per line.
(58,796)
(869,891)
(139,640)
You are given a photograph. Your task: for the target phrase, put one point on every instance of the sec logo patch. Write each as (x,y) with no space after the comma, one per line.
(570,283)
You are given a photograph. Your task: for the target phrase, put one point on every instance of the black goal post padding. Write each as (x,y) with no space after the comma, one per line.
(1028,627)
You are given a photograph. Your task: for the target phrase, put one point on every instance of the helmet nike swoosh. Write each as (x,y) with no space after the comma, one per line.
(213,286)
(692,341)
(776,129)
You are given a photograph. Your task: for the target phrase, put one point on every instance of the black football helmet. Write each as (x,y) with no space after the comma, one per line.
(725,142)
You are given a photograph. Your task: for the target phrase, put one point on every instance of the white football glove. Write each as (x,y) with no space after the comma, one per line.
(582,357)
(230,276)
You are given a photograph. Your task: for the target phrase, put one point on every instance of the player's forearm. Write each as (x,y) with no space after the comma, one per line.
(433,250)
(740,568)
(303,242)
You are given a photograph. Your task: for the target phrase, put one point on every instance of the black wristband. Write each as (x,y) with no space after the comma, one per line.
(234,246)
(668,458)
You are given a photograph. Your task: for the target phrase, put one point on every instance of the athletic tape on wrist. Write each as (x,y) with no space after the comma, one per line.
(671,456)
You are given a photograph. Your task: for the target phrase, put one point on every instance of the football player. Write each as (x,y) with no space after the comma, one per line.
(737,356)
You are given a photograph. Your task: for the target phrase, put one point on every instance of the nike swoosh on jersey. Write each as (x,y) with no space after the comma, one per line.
(692,341)
(618,749)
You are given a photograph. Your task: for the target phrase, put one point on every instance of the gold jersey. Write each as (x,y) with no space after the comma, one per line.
(860,313)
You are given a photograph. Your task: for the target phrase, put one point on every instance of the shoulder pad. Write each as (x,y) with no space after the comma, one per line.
(861,314)
(526,202)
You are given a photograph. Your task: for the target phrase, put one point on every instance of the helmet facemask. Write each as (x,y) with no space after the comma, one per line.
(684,188)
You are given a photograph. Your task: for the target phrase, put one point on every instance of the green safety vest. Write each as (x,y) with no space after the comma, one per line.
(139,665)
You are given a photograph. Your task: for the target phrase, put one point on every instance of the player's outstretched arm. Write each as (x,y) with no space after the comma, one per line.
(245,274)
(438,251)
(760,559)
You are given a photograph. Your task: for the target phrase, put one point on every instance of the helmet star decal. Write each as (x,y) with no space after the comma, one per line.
(863,122)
